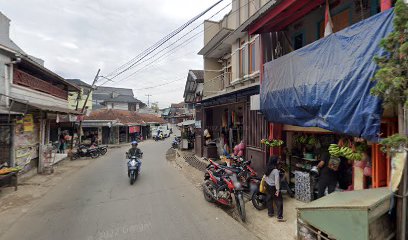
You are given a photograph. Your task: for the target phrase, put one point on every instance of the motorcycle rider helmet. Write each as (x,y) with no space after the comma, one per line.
(134,143)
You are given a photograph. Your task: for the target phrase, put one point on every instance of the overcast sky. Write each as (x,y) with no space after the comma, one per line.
(76,37)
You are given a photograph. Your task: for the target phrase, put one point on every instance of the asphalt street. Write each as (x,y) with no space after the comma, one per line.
(97,202)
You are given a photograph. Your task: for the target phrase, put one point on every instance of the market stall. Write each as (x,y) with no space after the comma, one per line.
(358,215)
(187,134)
(312,155)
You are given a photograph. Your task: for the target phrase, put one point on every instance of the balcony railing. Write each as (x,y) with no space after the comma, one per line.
(27,80)
(217,84)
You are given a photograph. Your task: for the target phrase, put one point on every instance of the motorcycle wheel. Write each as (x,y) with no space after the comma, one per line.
(241,206)
(207,196)
(104,151)
(94,154)
(75,156)
(258,200)
(132,179)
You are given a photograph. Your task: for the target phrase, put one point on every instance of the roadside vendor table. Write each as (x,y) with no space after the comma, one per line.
(357,215)
(9,179)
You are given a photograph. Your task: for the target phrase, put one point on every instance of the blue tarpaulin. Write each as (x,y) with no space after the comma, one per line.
(327,83)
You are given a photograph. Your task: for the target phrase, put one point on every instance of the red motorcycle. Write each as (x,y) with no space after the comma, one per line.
(219,186)
(246,175)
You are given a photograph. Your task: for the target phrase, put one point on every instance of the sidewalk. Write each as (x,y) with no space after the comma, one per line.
(257,222)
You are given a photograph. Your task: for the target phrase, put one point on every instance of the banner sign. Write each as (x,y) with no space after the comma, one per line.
(28,123)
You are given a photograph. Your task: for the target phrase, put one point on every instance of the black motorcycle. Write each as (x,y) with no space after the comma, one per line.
(259,199)
(84,151)
(102,149)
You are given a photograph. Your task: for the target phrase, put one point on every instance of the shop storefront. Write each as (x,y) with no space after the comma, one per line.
(230,126)
(329,121)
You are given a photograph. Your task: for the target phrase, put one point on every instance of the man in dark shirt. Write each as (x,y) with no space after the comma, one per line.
(328,176)
(134,151)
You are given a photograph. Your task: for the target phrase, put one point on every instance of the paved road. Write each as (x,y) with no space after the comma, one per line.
(97,202)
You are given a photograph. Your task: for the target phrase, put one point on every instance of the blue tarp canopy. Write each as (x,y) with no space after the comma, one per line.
(327,83)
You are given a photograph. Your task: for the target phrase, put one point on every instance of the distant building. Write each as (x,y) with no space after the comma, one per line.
(193,90)
(77,103)
(115,98)
(177,113)
(112,126)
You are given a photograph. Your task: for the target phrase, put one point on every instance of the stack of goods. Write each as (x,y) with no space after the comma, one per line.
(7,170)
(303,187)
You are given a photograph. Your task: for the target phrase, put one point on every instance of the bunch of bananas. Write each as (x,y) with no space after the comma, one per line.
(337,151)
(301,139)
(312,141)
(334,150)
(272,142)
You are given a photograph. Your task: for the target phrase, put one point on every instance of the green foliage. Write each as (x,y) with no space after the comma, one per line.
(395,141)
(272,142)
(392,77)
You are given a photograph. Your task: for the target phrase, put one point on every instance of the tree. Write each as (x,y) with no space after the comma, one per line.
(392,76)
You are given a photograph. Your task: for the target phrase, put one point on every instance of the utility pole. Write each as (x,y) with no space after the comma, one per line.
(148,99)
(83,108)
(92,88)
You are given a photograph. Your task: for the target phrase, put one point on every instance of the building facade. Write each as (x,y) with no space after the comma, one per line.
(115,98)
(32,100)
(77,100)
(231,79)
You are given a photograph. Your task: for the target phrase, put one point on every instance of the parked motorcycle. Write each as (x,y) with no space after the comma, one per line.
(84,151)
(133,167)
(220,185)
(259,199)
(101,149)
(157,138)
(176,142)
(246,175)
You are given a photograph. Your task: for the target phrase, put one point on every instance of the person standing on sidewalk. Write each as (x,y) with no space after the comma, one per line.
(274,195)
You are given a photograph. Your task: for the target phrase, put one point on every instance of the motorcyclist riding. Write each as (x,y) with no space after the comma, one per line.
(135,151)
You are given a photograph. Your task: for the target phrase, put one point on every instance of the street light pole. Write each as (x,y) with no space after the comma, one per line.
(148,99)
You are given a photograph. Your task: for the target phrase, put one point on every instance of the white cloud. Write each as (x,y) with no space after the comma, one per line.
(77,37)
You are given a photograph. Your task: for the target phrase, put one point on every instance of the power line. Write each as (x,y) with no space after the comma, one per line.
(175,48)
(186,41)
(191,38)
(167,38)
(160,85)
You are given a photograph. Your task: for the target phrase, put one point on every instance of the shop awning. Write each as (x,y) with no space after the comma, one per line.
(187,123)
(99,123)
(327,83)
(18,105)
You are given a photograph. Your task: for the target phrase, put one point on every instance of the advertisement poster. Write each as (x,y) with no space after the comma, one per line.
(397,169)
(28,123)
(24,155)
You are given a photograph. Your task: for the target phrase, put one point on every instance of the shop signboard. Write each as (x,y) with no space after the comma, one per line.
(66,118)
(397,169)
(28,123)
(134,129)
(198,124)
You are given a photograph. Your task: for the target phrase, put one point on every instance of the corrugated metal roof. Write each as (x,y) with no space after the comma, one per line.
(78,82)
(123,116)
(120,98)
(199,74)
(109,90)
